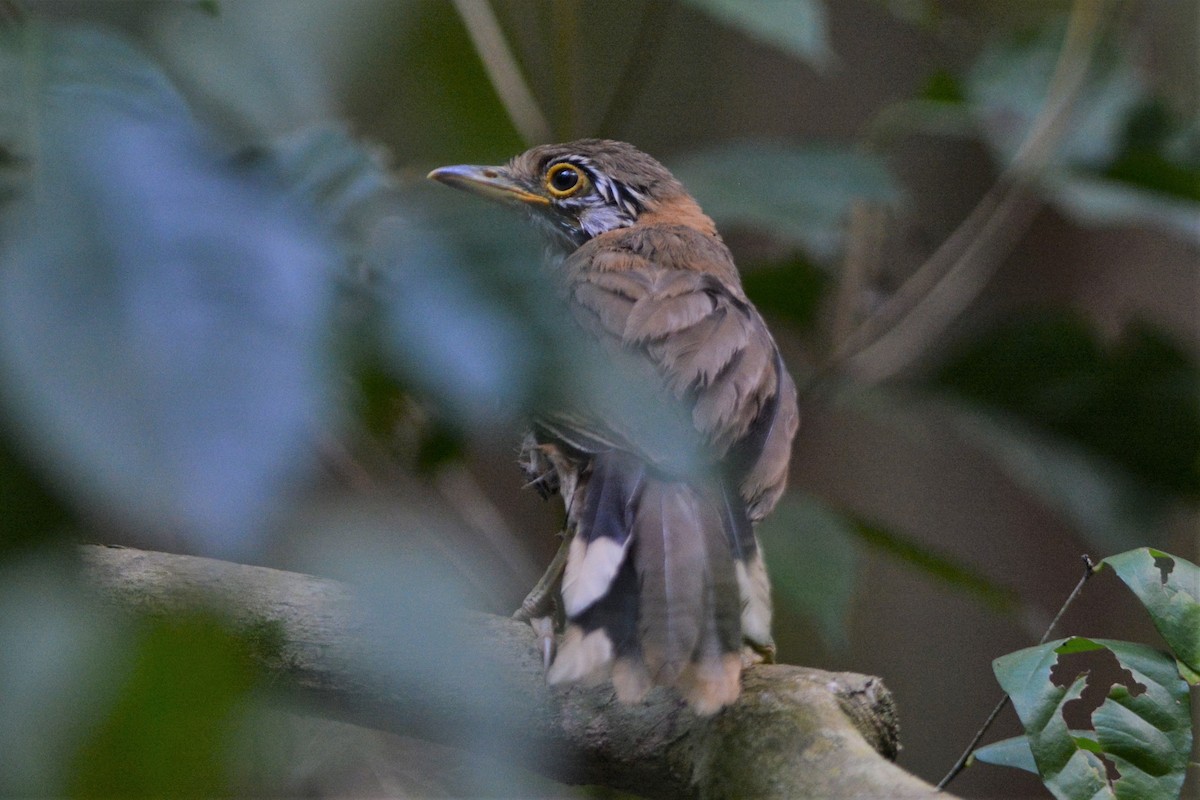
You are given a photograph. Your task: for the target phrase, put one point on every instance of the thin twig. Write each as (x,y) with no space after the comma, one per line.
(1089,569)
(865,240)
(656,19)
(961,267)
(503,71)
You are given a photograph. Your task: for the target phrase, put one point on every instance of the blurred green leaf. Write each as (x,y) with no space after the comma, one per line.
(1146,733)
(1106,170)
(800,194)
(440,444)
(1008,85)
(449,325)
(798,27)
(1158,154)
(261,67)
(1103,201)
(176,716)
(812,551)
(937,566)
(1135,403)
(812,557)
(31,511)
(162,313)
(1169,588)
(62,658)
(791,290)
(943,86)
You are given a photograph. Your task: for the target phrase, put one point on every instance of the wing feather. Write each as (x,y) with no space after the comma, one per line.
(655,295)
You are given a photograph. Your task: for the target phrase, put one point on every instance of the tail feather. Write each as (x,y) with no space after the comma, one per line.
(670,528)
(656,589)
(602,531)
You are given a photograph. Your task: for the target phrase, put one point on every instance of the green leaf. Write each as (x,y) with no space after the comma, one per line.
(62,657)
(798,27)
(1105,170)
(1146,733)
(169,730)
(1012,752)
(1098,200)
(1067,771)
(800,194)
(1008,86)
(1015,752)
(1173,599)
(433,267)
(1159,153)
(812,557)
(163,312)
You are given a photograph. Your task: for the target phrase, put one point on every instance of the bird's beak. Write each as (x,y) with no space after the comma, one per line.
(494,183)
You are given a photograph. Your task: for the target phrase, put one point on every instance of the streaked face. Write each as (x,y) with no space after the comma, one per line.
(574,191)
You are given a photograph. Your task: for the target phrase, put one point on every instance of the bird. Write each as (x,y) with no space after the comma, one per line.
(660,576)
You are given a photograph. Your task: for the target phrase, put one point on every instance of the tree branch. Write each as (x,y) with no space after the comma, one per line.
(795,732)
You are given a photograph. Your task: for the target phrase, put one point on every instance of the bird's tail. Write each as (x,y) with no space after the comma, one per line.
(662,579)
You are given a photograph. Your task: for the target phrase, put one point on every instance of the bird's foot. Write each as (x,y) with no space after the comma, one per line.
(540,608)
(546,642)
(758,653)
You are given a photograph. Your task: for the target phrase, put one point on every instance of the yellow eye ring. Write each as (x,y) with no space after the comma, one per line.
(565,179)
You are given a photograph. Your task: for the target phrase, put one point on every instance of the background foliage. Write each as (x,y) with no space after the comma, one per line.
(235,321)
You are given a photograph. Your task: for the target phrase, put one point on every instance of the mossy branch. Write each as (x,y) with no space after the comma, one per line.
(795,732)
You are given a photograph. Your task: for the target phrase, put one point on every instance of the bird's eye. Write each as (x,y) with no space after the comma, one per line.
(564,180)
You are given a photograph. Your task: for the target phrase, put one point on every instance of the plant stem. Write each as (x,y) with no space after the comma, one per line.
(656,19)
(565,17)
(950,279)
(503,71)
(1089,569)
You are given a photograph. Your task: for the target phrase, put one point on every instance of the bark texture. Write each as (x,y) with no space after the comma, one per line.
(794,732)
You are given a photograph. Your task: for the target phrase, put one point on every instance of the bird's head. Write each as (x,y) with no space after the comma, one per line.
(579,189)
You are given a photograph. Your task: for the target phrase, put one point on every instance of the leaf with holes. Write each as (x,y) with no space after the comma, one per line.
(1145,733)
(1171,594)
(1067,770)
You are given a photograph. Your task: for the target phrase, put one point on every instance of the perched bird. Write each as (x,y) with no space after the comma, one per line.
(664,581)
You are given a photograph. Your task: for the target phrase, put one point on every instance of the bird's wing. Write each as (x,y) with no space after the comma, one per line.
(664,301)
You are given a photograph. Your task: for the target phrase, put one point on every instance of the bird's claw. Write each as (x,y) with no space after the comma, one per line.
(544,628)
